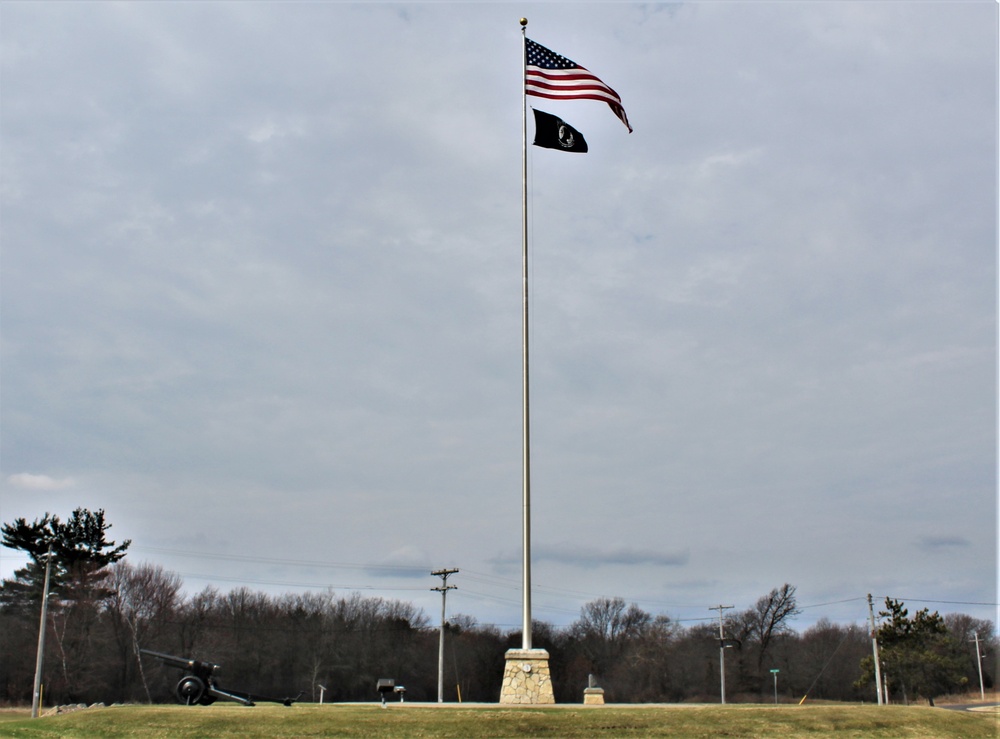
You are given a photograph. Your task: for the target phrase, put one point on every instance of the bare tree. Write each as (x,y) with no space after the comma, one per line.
(143,600)
(756,629)
(826,656)
(771,616)
(603,632)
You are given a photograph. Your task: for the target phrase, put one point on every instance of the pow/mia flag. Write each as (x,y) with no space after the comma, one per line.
(555,133)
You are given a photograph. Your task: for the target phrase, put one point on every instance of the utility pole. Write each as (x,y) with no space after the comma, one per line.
(878,668)
(445,587)
(979,664)
(36,692)
(722,651)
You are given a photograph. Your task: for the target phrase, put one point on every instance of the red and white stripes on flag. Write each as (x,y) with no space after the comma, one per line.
(549,75)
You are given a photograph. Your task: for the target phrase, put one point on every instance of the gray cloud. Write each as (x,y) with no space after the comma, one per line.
(585,556)
(261,288)
(39,482)
(933,543)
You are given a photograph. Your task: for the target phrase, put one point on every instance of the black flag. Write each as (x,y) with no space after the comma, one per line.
(555,133)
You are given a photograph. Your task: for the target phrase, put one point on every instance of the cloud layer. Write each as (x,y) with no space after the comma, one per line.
(261,297)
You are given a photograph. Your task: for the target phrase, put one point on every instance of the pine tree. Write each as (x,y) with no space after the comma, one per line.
(81,554)
(920,657)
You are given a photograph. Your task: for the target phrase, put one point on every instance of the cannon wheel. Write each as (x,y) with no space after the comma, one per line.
(190,690)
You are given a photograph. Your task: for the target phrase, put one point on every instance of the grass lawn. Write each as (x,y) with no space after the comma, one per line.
(467,721)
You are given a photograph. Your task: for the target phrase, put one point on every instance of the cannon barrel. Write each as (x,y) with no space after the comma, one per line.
(197,667)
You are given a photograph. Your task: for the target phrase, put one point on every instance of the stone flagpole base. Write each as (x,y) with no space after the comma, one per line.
(526,678)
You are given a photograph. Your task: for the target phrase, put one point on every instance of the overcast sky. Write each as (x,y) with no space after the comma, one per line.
(261,299)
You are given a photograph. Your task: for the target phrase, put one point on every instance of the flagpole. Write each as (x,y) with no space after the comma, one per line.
(526,674)
(525,432)
(526,677)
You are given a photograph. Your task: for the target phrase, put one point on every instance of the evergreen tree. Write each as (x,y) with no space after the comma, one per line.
(919,655)
(81,554)
(79,569)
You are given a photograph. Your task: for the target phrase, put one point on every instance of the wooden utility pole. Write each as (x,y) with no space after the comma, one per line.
(722,651)
(878,667)
(979,664)
(445,587)
(37,691)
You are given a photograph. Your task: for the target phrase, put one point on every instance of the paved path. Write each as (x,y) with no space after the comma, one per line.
(977,707)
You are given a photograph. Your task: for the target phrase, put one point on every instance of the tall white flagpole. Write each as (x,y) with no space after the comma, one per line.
(526,674)
(525,433)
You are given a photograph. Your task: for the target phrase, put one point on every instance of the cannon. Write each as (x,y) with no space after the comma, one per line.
(199,686)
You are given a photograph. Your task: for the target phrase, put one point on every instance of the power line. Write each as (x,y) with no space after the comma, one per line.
(948,602)
(291,584)
(493,581)
(484,578)
(415,569)
(832,602)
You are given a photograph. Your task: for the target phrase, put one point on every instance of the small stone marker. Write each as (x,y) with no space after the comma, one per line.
(593,695)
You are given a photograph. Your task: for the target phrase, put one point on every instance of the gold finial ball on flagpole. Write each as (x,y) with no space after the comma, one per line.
(524,21)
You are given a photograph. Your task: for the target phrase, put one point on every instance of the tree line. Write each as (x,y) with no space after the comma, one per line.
(103,610)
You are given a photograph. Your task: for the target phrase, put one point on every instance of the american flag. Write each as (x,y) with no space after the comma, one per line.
(548,75)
